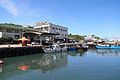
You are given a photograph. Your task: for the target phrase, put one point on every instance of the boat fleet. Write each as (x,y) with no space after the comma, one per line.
(63,48)
(75,47)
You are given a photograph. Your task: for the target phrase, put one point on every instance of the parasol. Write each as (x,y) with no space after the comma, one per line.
(24,41)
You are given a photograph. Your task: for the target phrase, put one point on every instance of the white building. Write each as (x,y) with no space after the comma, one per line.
(90,38)
(52,28)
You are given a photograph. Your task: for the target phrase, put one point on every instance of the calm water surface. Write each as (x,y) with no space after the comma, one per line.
(90,65)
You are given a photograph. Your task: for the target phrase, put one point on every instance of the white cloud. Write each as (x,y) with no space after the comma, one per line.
(9,6)
(23,9)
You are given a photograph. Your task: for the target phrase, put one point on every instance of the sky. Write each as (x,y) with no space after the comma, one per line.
(83,17)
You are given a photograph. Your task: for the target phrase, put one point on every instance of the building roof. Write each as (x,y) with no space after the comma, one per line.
(40,33)
(48,23)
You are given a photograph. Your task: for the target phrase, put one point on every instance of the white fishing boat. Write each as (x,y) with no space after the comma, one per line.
(63,49)
(55,48)
(52,48)
(48,49)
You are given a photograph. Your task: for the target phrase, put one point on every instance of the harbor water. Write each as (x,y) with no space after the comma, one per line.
(90,65)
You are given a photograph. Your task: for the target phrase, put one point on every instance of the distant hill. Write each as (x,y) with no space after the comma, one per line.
(10,25)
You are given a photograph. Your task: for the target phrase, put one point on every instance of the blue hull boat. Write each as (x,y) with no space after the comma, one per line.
(72,49)
(108,47)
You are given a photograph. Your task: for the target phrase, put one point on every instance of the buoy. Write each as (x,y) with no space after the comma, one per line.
(23,68)
(1,62)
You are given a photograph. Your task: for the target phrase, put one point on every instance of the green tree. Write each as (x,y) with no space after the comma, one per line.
(76,37)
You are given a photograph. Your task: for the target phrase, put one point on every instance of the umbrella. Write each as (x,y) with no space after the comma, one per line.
(24,41)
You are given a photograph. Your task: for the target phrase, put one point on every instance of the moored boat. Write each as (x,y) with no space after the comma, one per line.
(107,47)
(54,48)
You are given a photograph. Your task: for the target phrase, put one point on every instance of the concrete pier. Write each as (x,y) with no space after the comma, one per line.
(19,51)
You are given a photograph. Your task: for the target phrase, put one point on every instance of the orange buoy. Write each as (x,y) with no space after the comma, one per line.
(23,68)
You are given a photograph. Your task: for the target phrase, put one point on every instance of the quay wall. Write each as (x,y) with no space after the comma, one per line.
(20,51)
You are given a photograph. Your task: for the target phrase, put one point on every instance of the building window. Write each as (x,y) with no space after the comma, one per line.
(53,28)
(46,28)
(38,37)
(59,28)
(41,28)
(16,36)
(56,28)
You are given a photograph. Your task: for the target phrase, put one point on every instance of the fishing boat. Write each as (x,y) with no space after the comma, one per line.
(54,48)
(80,47)
(108,47)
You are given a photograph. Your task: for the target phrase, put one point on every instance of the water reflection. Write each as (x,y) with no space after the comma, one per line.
(0,68)
(63,66)
(74,53)
(108,52)
(42,63)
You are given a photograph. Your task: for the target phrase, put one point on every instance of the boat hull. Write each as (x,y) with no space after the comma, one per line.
(108,47)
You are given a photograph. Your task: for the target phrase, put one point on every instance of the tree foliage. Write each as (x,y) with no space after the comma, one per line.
(76,37)
(4,40)
(13,28)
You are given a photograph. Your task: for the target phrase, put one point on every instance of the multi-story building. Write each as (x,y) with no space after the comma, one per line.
(8,31)
(13,31)
(15,36)
(52,28)
(42,32)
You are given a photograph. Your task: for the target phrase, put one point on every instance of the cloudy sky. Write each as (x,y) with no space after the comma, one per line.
(84,17)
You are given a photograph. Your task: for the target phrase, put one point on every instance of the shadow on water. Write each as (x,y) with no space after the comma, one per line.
(77,53)
(41,62)
(112,52)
